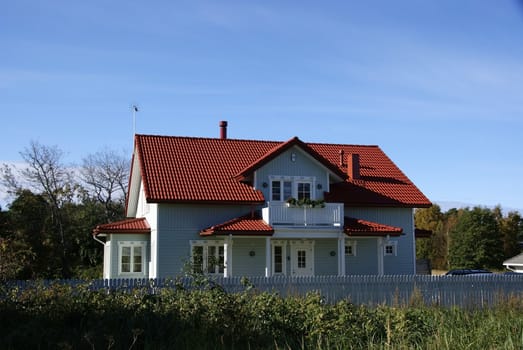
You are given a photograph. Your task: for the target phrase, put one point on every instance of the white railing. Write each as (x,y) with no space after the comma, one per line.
(278,213)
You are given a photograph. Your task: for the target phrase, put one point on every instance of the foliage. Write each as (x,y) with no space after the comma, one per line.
(206,317)
(305,202)
(475,241)
(46,233)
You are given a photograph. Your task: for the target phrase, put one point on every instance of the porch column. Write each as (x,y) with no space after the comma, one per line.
(267,256)
(341,254)
(227,257)
(380,256)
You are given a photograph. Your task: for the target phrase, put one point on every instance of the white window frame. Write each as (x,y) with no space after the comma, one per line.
(131,245)
(295,180)
(205,244)
(393,247)
(283,245)
(352,245)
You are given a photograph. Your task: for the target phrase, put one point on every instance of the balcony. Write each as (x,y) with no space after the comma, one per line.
(280,214)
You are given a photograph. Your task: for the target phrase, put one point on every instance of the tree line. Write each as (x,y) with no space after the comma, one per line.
(46,231)
(475,237)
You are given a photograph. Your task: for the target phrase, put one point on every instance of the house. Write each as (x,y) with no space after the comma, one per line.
(249,208)
(515,263)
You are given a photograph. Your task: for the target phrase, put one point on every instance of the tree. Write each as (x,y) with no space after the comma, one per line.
(511,231)
(47,175)
(106,175)
(435,247)
(475,241)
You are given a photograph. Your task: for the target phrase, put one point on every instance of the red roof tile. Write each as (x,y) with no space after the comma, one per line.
(188,169)
(245,225)
(139,225)
(364,228)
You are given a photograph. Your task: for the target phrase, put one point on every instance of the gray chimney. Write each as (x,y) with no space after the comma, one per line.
(223,129)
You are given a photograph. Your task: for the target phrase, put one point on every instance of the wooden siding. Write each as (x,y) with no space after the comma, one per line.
(242,263)
(283,166)
(179,224)
(366,260)
(405,261)
(324,263)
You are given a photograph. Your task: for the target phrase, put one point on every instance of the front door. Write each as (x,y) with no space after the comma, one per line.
(302,258)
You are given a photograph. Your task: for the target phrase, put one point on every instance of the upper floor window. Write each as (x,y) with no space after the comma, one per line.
(295,187)
(281,190)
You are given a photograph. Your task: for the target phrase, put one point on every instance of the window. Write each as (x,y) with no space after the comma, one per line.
(302,259)
(304,190)
(350,248)
(131,258)
(208,257)
(285,187)
(279,260)
(281,190)
(389,249)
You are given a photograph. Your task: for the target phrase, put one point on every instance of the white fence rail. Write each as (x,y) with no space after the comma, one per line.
(465,291)
(277,213)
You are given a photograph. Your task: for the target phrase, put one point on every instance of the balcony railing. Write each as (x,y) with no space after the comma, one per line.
(278,213)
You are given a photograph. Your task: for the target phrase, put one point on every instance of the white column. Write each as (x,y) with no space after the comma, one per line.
(380,256)
(268,257)
(341,254)
(227,256)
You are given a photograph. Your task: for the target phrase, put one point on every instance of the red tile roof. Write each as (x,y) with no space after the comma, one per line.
(364,228)
(245,225)
(139,225)
(188,169)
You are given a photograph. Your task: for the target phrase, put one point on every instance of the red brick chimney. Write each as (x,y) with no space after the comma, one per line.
(223,129)
(353,166)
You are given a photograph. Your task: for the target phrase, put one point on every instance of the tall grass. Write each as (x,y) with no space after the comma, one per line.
(62,317)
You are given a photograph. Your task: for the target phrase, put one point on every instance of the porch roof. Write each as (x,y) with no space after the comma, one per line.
(363,228)
(243,225)
(130,226)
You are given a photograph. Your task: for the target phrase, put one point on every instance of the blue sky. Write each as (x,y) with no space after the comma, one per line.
(438,85)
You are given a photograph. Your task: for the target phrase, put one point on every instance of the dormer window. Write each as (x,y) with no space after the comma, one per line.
(283,188)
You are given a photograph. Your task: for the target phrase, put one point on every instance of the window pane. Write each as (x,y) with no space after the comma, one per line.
(278,259)
(137,259)
(301,259)
(304,190)
(126,259)
(287,190)
(211,259)
(221,259)
(197,259)
(348,250)
(276,191)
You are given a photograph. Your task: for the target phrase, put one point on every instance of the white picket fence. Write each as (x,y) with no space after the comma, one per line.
(465,291)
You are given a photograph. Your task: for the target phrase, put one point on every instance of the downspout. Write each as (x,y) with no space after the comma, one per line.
(99,240)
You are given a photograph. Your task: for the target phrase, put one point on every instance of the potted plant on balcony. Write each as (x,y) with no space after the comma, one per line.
(305,202)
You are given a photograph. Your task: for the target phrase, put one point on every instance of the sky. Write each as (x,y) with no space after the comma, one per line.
(437,84)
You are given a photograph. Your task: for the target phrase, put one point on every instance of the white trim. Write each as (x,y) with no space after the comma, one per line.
(353,245)
(379,245)
(394,248)
(131,245)
(206,244)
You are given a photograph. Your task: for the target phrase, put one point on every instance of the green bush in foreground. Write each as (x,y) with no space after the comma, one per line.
(61,317)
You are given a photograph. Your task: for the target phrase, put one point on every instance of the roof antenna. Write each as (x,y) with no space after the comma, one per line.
(135,109)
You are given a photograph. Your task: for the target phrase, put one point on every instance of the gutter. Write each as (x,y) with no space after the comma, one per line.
(99,240)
